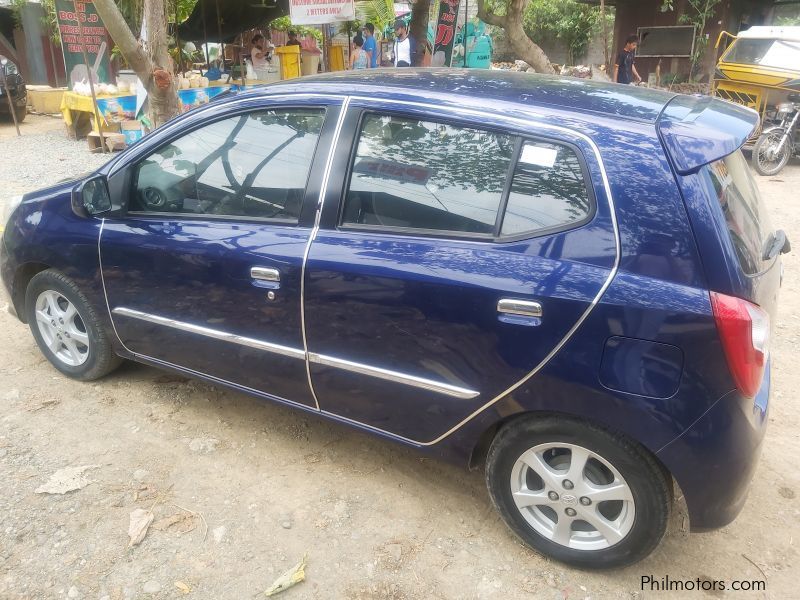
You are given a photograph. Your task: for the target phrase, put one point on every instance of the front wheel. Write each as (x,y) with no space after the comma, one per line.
(576,492)
(767,160)
(67,329)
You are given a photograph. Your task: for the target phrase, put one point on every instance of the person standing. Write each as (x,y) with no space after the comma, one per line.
(624,68)
(293,41)
(359,59)
(370,45)
(259,57)
(405,48)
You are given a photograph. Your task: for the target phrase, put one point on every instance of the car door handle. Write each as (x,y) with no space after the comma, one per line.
(266,277)
(523,308)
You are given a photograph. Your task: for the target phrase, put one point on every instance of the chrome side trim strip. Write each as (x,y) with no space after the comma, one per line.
(320,201)
(212,333)
(524,124)
(525,308)
(394,376)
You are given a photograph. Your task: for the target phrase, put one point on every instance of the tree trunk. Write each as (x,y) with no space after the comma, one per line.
(163,102)
(604,27)
(511,22)
(164,93)
(420,16)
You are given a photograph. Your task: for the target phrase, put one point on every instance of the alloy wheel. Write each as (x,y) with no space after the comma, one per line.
(62,328)
(572,496)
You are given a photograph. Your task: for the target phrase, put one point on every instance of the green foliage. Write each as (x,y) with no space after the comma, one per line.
(378,12)
(572,22)
(285,24)
(788,21)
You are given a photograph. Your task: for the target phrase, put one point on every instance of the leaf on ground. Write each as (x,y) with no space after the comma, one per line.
(140,521)
(180,522)
(66,480)
(184,589)
(291,577)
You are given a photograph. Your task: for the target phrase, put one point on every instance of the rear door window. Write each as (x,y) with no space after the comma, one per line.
(411,174)
(414,175)
(745,213)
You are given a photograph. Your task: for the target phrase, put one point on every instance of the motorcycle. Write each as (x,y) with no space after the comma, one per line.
(777,144)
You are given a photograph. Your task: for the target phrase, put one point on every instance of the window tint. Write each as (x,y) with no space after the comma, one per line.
(251,165)
(548,190)
(745,214)
(422,175)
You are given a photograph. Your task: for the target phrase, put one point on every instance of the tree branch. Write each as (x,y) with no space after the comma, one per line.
(123,37)
(489,17)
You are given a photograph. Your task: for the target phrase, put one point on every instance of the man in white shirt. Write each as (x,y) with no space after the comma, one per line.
(405,49)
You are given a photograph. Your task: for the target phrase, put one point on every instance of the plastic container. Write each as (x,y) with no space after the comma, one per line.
(337,58)
(289,61)
(310,64)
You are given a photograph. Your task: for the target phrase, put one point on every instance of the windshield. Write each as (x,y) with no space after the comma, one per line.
(783,54)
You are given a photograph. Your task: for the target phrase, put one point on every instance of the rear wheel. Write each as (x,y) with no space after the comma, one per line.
(576,492)
(767,160)
(67,329)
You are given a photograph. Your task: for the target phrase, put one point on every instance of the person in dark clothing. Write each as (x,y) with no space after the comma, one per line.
(293,41)
(624,68)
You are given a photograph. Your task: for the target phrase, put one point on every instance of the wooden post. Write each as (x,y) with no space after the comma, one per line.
(91,77)
(205,33)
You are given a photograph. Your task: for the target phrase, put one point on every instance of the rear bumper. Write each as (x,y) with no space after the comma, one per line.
(714,460)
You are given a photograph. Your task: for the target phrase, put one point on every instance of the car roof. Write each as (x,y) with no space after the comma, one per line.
(528,89)
(767,32)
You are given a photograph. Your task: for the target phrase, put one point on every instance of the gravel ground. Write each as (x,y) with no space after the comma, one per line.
(43,155)
(242,489)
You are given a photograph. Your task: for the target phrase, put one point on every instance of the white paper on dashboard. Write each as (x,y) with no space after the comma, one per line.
(538,156)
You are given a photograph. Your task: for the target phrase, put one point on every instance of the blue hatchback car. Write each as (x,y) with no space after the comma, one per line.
(573,284)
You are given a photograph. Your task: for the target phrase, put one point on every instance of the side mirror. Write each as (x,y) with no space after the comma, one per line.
(91,197)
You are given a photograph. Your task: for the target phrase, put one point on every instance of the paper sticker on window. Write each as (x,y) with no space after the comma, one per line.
(538,156)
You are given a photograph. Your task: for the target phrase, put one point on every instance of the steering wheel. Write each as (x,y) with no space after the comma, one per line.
(153,199)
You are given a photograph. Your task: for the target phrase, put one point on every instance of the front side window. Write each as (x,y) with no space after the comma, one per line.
(414,174)
(250,165)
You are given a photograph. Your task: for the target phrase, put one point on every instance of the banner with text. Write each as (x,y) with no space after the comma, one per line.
(319,12)
(95,35)
(445,36)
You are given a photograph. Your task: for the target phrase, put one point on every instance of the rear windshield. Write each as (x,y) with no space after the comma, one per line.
(745,213)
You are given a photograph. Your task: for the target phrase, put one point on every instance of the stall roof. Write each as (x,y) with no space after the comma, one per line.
(235,16)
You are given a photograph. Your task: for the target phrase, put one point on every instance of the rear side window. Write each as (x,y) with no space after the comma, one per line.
(548,191)
(418,175)
(745,214)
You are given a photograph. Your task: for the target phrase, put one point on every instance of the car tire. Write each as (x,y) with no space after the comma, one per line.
(619,530)
(21,113)
(67,328)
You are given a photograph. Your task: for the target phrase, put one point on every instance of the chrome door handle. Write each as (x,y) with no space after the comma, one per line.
(265,274)
(523,308)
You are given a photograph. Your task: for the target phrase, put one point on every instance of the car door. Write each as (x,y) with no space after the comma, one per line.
(204,270)
(456,253)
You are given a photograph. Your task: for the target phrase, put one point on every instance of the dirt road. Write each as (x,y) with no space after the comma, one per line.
(242,489)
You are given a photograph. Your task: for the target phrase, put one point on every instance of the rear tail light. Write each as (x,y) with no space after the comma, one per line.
(744,331)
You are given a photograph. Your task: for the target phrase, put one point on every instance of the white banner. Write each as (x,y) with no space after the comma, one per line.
(319,12)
